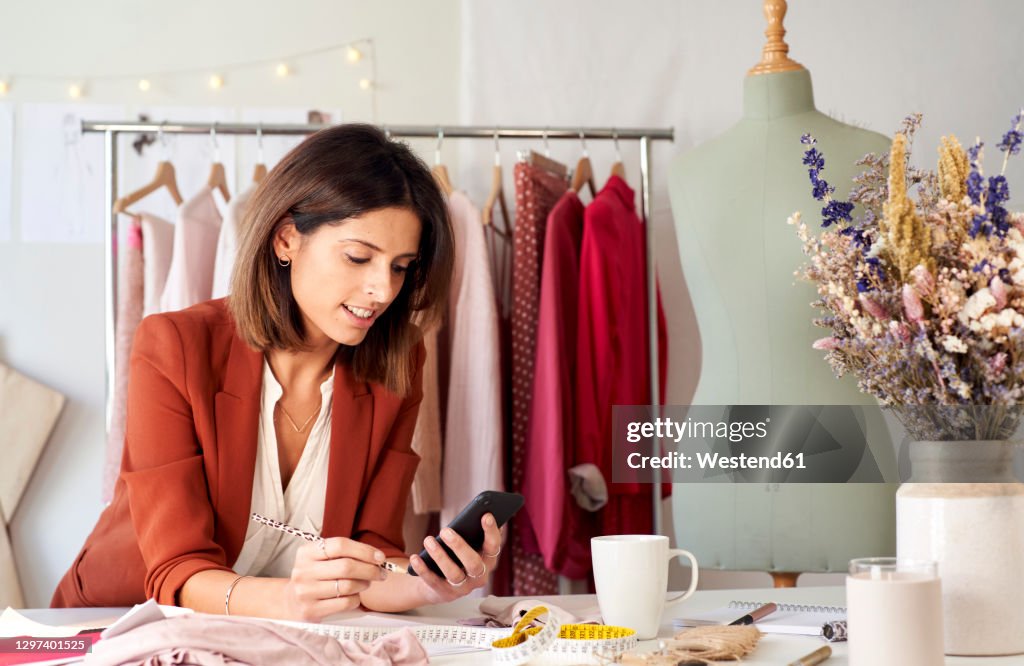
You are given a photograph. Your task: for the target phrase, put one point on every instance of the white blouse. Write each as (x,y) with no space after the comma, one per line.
(270,552)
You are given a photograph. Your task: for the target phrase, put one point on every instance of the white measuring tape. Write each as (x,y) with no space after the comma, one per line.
(551,642)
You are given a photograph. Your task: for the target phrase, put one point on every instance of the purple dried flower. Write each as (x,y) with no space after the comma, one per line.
(998,190)
(1012,139)
(835,211)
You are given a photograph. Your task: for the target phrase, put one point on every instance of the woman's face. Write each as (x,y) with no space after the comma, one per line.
(344,276)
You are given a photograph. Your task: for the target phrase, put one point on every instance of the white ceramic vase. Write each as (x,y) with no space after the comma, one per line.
(964,509)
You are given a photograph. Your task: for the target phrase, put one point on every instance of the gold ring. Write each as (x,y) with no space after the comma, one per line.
(464,579)
(479,575)
(492,554)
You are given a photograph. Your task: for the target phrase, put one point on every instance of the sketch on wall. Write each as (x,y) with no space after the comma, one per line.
(62,175)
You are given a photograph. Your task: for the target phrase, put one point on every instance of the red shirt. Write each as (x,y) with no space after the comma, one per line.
(611,351)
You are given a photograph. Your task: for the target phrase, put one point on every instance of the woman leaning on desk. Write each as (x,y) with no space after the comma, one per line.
(295,398)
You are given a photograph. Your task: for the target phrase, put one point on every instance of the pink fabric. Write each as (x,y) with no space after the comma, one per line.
(130,297)
(157,247)
(550,446)
(612,359)
(501,612)
(190,277)
(214,640)
(426,439)
(473,435)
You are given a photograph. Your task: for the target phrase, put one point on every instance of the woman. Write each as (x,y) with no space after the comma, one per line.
(295,398)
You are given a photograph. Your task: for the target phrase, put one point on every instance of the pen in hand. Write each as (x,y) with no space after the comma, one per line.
(755,615)
(315,538)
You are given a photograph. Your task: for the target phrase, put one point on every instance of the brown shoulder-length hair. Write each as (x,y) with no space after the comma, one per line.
(336,174)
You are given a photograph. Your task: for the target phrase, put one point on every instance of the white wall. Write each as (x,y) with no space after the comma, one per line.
(51,295)
(681,64)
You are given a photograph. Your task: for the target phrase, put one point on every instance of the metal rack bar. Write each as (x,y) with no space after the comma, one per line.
(425,131)
(112,129)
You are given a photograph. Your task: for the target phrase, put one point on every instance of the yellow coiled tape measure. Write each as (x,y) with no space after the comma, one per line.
(557,642)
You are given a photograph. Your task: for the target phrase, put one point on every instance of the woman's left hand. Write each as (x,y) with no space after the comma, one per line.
(458,582)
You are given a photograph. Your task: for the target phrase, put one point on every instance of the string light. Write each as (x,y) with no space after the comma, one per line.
(355,52)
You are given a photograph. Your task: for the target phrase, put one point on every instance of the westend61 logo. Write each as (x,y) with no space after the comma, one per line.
(749,444)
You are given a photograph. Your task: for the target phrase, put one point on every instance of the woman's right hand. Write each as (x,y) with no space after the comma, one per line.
(327,578)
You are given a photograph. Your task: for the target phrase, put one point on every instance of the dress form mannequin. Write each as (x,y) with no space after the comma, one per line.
(730,199)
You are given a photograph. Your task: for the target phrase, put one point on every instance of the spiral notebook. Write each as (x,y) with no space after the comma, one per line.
(806,620)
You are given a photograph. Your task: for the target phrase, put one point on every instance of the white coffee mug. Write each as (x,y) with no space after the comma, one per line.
(631,576)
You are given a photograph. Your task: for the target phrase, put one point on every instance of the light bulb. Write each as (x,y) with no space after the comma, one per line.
(144,85)
(365,84)
(75,91)
(4,87)
(354,55)
(216,81)
(283,70)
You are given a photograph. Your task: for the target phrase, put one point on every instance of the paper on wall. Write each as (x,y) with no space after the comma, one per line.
(62,172)
(6,169)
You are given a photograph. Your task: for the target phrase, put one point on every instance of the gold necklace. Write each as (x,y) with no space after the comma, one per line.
(292,422)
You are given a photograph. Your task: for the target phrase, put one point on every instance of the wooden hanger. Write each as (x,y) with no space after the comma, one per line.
(440,171)
(259,172)
(584,173)
(497,194)
(217,180)
(164,177)
(545,162)
(618,169)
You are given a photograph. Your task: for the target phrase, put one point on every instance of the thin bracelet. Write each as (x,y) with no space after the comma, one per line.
(227,597)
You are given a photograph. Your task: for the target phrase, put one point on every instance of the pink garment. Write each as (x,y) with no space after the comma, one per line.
(215,640)
(157,248)
(473,438)
(190,278)
(426,439)
(559,524)
(130,295)
(228,241)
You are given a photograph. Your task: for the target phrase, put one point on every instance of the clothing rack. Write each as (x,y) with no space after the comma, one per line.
(113,129)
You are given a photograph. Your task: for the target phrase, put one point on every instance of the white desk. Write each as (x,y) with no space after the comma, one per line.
(771,651)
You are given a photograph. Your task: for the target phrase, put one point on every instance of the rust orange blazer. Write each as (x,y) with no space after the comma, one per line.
(181,503)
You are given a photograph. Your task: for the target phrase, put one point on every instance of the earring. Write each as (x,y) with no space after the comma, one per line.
(284,261)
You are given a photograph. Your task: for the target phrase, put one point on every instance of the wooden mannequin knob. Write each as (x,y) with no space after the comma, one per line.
(775,56)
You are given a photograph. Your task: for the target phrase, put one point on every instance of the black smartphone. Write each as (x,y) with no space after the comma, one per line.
(467,524)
